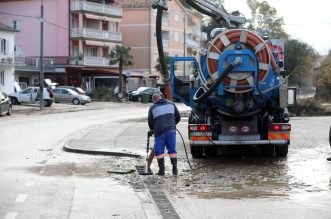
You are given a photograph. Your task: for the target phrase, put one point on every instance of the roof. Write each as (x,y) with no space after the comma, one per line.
(7,28)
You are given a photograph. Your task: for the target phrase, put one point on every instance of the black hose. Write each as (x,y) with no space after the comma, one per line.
(164,71)
(197,98)
(188,160)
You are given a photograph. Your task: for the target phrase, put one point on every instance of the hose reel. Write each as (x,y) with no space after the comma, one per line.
(226,41)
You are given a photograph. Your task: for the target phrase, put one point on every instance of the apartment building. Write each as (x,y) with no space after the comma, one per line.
(78,36)
(180,34)
(7,58)
(94,32)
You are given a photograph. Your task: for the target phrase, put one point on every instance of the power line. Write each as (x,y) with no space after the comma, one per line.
(20,15)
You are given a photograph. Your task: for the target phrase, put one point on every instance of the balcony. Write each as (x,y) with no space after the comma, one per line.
(92,61)
(33,62)
(96,8)
(192,43)
(196,33)
(96,34)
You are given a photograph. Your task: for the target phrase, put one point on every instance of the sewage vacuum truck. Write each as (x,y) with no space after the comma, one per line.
(236,88)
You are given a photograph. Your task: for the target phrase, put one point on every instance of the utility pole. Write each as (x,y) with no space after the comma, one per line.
(185,21)
(41,75)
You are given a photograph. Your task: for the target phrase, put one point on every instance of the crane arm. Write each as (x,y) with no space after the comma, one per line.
(234,20)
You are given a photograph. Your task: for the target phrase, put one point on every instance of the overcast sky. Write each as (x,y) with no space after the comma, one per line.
(310,23)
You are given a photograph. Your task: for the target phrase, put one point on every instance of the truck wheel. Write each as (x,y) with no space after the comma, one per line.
(268,150)
(210,151)
(281,150)
(197,151)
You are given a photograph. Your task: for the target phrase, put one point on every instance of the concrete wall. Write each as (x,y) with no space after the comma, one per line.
(56,39)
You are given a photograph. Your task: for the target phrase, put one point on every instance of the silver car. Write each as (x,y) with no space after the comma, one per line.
(68,95)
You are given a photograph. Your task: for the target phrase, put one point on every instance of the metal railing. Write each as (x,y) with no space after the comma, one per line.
(34,61)
(97,8)
(96,34)
(96,61)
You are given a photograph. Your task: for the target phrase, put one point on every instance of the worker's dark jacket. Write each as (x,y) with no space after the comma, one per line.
(163,116)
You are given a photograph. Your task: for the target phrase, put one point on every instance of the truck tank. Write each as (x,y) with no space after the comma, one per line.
(237,93)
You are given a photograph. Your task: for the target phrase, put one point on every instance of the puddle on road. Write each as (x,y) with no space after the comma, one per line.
(234,177)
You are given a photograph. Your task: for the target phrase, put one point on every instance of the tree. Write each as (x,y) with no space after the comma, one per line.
(158,65)
(120,55)
(265,20)
(299,57)
(323,79)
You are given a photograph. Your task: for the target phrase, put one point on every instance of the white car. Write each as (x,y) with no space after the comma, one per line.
(30,95)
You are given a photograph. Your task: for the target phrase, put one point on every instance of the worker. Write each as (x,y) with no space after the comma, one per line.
(163,116)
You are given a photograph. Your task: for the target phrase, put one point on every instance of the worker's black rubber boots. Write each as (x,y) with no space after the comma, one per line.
(160,162)
(174,165)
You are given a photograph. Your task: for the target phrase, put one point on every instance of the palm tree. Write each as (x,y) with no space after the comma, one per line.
(120,55)
(158,65)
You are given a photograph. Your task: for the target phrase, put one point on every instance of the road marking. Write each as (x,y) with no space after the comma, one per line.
(29,183)
(41,171)
(21,198)
(11,215)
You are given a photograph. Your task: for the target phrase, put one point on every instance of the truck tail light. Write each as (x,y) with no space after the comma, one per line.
(200,128)
(280,127)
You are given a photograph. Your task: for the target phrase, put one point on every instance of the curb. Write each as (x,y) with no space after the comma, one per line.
(106,153)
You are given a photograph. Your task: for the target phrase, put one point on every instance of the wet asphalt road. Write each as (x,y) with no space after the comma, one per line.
(39,180)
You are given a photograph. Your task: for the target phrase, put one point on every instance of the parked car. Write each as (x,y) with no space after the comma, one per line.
(30,95)
(5,104)
(136,95)
(68,95)
(77,89)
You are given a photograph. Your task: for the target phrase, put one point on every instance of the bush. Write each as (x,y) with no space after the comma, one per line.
(308,107)
(103,93)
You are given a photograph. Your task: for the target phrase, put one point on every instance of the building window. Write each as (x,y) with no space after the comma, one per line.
(155,57)
(176,36)
(91,51)
(4,45)
(176,16)
(2,77)
(16,24)
(18,49)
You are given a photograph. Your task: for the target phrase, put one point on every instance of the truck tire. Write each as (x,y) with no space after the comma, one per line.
(281,150)
(197,151)
(210,151)
(268,150)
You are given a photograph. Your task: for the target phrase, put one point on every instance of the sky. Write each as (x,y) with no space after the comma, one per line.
(310,23)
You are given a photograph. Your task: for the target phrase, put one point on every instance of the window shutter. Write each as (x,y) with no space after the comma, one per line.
(7,46)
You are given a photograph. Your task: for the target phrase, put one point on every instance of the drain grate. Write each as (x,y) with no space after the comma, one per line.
(165,207)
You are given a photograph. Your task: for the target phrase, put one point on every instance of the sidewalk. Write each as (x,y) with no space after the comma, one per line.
(122,138)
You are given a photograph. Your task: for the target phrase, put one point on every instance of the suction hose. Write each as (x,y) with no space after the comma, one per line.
(164,71)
